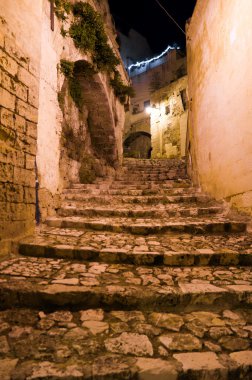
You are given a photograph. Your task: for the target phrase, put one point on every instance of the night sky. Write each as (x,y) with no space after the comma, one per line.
(151,21)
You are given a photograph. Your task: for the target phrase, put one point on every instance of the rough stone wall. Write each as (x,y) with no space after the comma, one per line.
(68,136)
(33,124)
(19,86)
(219,46)
(169,120)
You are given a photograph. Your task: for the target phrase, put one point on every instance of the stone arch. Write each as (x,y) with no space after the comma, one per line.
(137,144)
(101,123)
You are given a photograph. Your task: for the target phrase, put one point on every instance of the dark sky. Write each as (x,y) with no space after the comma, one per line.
(150,20)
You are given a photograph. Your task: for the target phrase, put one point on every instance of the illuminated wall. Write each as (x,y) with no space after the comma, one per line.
(169,120)
(219,49)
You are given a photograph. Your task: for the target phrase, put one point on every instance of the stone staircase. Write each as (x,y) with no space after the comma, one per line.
(144,277)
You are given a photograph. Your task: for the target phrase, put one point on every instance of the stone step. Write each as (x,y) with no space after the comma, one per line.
(161,256)
(44,283)
(149,226)
(71,209)
(180,249)
(134,192)
(136,200)
(126,345)
(143,185)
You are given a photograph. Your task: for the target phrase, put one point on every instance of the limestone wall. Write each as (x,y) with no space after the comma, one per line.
(20,30)
(169,115)
(39,119)
(219,49)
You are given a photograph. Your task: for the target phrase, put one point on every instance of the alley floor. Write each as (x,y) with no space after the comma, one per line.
(143,277)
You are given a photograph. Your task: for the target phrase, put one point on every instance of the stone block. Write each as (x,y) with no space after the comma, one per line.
(20,124)
(199,361)
(33,95)
(28,145)
(21,211)
(29,112)
(156,369)
(14,51)
(7,118)
(29,194)
(6,81)
(8,64)
(27,78)
(24,177)
(243,358)
(29,162)
(6,172)
(31,129)
(13,86)
(7,99)
(7,135)
(11,193)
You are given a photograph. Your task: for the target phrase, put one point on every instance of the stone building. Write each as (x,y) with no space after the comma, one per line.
(169,113)
(146,79)
(39,118)
(220,92)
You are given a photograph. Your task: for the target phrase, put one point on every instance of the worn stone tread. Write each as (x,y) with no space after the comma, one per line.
(144,226)
(38,281)
(171,250)
(72,209)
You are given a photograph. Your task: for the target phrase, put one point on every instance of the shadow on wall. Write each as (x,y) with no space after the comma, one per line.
(137,145)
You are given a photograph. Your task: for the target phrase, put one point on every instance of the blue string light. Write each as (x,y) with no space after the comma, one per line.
(138,64)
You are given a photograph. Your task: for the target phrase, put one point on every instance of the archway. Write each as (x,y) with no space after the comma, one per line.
(137,145)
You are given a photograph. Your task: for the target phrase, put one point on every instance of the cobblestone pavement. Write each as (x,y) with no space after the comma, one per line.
(141,278)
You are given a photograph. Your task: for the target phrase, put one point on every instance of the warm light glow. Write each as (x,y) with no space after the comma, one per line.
(148,110)
(138,64)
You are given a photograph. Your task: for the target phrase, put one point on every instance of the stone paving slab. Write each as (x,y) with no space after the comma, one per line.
(172,250)
(99,344)
(39,282)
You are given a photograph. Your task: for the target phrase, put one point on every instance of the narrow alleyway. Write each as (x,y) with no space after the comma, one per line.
(141,277)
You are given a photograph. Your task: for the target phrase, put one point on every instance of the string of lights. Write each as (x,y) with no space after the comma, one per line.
(138,64)
(168,14)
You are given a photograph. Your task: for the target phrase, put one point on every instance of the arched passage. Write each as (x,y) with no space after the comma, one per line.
(137,145)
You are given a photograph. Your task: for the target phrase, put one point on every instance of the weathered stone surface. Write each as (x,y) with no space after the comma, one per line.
(6,368)
(217,332)
(128,343)
(4,346)
(96,327)
(169,321)
(243,358)
(126,316)
(199,361)
(45,370)
(180,342)
(234,344)
(155,369)
(92,315)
